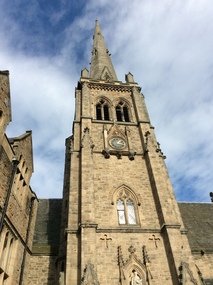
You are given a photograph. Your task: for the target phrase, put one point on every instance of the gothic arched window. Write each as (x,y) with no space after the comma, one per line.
(126,212)
(9,255)
(122,112)
(4,250)
(102,110)
(118,113)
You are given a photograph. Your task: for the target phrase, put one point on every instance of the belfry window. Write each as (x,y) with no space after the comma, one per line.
(106,113)
(126,114)
(122,112)
(102,111)
(119,114)
(98,112)
(126,212)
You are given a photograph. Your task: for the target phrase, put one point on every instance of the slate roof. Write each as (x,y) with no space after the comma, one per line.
(198,220)
(47,228)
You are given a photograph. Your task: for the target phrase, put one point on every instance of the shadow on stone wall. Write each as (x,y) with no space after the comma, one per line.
(46,237)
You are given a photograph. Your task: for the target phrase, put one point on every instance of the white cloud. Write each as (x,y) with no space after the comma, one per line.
(166,45)
(42,100)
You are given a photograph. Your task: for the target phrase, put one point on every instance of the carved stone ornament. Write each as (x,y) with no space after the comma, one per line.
(71,144)
(106,75)
(86,139)
(61,278)
(106,153)
(186,276)
(115,131)
(111,87)
(117,142)
(203,282)
(147,134)
(146,262)
(90,276)
(133,271)
(158,149)
(132,155)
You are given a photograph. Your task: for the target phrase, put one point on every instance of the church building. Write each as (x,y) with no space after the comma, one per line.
(118,222)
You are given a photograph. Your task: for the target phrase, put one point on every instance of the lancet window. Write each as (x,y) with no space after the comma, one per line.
(102,110)
(125,208)
(122,112)
(6,256)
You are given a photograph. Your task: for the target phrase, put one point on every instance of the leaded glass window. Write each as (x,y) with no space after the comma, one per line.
(126,212)
(131,212)
(121,214)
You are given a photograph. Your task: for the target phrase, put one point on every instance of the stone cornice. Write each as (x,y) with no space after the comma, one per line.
(123,229)
(127,229)
(4,72)
(87,225)
(170,226)
(112,87)
(201,250)
(80,226)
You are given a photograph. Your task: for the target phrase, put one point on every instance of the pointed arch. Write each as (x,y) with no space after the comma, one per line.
(9,254)
(126,203)
(106,74)
(126,188)
(122,110)
(102,108)
(90,275)
(132,264)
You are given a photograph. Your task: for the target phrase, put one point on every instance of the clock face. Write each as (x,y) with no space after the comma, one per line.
(117,143)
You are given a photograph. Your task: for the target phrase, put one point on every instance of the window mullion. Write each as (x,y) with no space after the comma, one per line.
(122,114)
(126,212)
(102,112)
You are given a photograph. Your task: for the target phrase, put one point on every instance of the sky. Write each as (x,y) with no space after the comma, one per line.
(168,47)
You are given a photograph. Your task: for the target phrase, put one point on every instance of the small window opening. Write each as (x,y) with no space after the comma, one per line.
(122,112)
(118,114)
(126,114)
(106,113)
(98,112)
(102,111)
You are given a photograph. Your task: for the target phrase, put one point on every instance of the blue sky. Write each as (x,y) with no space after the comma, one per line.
(166,45)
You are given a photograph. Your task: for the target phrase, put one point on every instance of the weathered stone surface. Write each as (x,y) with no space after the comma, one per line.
(15,194)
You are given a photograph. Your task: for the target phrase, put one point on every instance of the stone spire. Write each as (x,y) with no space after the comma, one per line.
(101,64)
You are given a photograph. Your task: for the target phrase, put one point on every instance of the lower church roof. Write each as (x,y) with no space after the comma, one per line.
(47,228)
(198,220)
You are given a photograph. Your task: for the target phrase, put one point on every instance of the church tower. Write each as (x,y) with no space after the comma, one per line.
(121,223)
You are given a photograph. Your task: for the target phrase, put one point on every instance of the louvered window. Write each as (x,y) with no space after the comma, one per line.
(122,112)
(102,111)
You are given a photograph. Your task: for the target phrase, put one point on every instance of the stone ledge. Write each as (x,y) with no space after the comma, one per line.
(170,226)
(201,251)
(128,229)
(45,250)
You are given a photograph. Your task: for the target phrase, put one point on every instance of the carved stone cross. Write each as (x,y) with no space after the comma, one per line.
(106,239)
(155,240)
